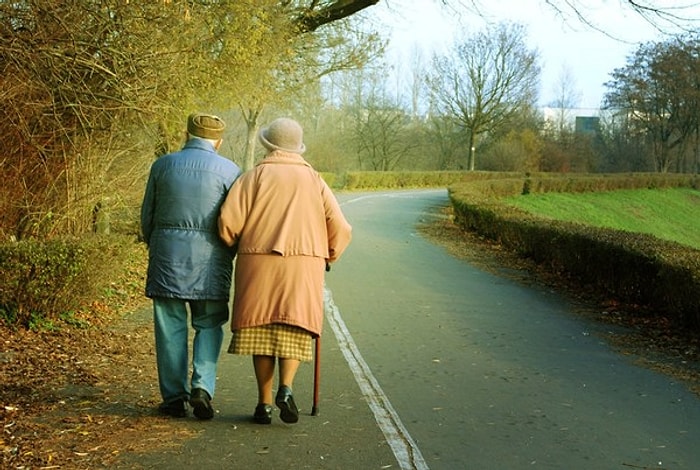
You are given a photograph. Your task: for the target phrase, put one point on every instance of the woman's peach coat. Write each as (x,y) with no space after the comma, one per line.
(285,224)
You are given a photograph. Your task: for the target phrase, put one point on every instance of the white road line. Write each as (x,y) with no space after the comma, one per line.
(408,193)
(405,449)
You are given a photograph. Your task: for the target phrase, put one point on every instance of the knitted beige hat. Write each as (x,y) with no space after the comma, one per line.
(205,126)
(283,134)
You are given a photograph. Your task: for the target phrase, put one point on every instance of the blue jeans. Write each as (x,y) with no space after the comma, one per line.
(172,355)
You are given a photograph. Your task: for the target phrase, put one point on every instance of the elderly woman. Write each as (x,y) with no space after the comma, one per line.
(285,225)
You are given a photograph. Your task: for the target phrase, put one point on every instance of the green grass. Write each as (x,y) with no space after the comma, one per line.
(670,214)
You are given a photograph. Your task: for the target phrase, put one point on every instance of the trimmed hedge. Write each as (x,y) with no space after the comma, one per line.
(370,180)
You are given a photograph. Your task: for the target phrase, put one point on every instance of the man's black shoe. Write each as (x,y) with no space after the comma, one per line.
(201,404)
(176,408)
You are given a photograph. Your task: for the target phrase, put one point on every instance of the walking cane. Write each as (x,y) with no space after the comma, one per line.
(317,366)
(317,375)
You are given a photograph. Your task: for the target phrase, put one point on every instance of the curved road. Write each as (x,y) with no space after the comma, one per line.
(430,363)
(488,374)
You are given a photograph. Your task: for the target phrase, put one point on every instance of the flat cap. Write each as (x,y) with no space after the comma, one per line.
(206,126)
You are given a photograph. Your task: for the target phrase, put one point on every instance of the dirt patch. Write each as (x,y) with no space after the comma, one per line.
(80,397)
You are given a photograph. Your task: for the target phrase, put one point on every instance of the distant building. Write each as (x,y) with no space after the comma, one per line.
(587,124)
(580,120)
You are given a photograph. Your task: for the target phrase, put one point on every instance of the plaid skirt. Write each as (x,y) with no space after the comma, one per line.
(278,340)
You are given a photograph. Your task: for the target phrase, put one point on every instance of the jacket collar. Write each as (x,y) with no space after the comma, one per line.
(280,156)
(195,143)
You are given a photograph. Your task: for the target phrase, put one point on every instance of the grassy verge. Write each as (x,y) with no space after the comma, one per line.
(669,214)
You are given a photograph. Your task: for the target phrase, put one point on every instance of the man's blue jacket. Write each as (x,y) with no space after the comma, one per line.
(187,259)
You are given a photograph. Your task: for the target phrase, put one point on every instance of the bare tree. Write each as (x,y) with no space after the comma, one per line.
(381,136)
(662,15)
(486,80)
(447,142)
(567,97)
(300,62)
(380,126)
(658,92)
(417,85)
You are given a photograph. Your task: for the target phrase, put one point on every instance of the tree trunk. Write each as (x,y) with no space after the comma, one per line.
(472,152)
(252,118)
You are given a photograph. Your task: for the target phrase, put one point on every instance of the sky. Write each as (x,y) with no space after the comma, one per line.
(589,55)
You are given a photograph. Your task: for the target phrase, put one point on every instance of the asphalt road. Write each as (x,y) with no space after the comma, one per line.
(430,363)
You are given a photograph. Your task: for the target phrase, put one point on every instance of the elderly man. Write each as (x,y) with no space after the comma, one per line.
(189,267)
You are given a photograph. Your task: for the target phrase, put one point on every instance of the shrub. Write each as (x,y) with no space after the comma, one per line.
(329,178)
(44,281)
(370,180)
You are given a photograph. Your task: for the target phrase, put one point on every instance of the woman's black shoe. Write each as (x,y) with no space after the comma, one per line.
(263,414)
(285,402)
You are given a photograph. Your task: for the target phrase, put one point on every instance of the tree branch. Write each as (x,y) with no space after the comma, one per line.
(310,19)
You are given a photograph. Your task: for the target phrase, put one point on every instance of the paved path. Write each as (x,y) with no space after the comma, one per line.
(430,363)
